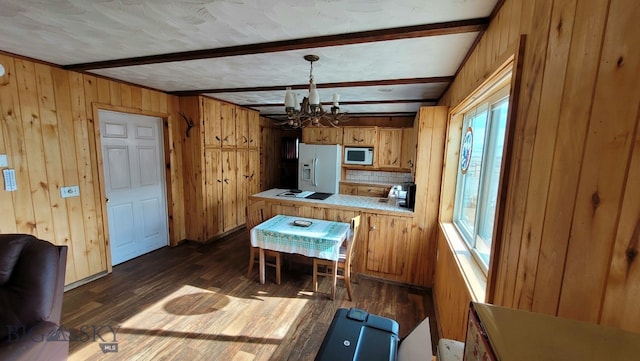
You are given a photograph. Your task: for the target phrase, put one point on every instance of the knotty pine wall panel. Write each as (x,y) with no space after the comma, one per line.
(195,219)
(451,294)
(430,125)
(570,231)
(47,131)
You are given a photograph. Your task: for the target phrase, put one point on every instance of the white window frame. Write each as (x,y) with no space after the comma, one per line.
(495,96)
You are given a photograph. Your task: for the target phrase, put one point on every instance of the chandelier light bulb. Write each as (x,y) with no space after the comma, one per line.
(314,97)
(336,100)
(289,99)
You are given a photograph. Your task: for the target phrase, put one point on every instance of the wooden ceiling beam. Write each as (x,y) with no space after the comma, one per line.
(352,115)
(406,32)
(349,84)
(355,102)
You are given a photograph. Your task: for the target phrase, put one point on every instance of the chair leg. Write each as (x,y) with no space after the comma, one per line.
(347,282)
(252,260)
(278,266)
(315,276)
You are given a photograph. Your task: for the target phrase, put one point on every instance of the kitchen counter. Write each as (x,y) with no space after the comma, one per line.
(342,201)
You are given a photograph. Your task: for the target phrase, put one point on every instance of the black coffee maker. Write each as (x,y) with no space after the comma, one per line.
(410,201)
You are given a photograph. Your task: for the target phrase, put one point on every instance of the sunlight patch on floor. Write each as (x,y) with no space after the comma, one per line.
(200,319)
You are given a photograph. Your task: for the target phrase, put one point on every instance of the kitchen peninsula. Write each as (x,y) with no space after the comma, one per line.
(342,201)
(384,248)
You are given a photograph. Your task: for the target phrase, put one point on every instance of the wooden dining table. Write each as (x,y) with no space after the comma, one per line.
(306,236)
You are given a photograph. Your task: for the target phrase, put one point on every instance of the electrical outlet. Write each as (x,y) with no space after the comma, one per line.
(3,161)
(9,180)
(71,191)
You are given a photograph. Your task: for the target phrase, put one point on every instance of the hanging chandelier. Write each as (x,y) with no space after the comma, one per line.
(310,111)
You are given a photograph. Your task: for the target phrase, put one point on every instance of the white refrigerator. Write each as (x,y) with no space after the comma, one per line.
(319,167)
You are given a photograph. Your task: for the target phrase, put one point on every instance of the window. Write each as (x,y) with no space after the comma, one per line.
(481,150)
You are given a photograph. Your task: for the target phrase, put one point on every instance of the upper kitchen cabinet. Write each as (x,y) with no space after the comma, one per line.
(247,128)
(389,150)
(211,125)
(408,153)
(322,135)
(360,136)
(219,123)
(227,117)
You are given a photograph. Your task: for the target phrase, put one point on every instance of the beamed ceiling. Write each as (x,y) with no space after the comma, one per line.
(383,57)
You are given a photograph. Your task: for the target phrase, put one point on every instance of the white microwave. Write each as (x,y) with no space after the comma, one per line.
(358,156)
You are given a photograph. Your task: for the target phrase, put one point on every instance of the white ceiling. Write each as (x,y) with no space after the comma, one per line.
(72,32)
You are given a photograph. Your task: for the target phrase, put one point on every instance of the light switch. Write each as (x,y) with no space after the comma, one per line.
(71,191)
(3,161)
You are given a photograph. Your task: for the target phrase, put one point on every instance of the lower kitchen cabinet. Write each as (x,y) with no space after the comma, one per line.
(312,212)
(213,192)
(221,199)
(388,242)
(229,179)
(248,181)
(285,209)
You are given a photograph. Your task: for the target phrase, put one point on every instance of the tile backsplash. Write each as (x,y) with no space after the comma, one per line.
(365,176)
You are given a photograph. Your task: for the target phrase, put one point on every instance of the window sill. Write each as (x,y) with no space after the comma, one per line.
(473,275)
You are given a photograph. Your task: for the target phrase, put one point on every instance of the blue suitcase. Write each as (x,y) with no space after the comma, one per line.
(355,334)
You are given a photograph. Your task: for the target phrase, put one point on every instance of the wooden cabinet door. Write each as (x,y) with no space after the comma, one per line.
(389,147)
(360,136)
(229,190)
(228,120)
(311,212)
(286,209)
(242,127)
(242,189)
(210,113)
(253,129)
(254,172)
(372,191)
(388,240)
(247,128)
(408,154)
(312,135)
(340,215)
(331,135)
(349,189)
(213,224)
(248,179)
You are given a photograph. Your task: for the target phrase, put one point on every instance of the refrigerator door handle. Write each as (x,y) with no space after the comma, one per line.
(315,168)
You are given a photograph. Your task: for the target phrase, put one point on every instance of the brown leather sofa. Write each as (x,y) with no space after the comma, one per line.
(31,289)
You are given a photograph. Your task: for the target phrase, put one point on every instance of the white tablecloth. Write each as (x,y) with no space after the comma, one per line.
(322,239)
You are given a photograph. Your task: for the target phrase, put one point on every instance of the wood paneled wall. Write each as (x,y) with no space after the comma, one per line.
(431,125)
(47,131)
(571,229)
(451,293)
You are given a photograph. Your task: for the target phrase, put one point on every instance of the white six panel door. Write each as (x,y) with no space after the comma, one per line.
(133,162)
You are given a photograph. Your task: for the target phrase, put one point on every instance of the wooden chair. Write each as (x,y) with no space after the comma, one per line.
(255,216)
(324,267)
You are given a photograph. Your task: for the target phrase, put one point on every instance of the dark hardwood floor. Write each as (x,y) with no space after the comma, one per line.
(195,302)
